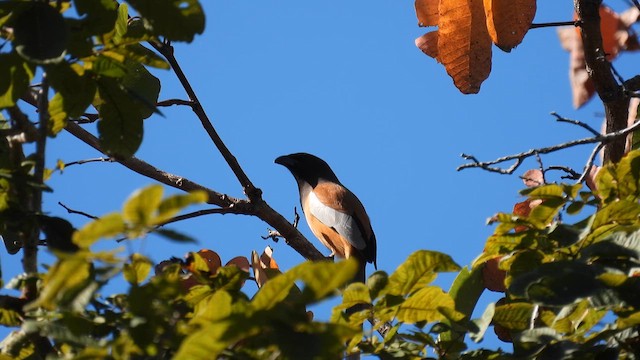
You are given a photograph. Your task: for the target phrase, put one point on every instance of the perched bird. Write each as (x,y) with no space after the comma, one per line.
(334,214)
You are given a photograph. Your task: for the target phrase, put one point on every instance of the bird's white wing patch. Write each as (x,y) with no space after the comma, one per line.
(343,223)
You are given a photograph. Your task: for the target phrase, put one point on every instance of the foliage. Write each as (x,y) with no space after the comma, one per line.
(570,289)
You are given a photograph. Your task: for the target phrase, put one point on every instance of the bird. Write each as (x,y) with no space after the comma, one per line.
(334,214)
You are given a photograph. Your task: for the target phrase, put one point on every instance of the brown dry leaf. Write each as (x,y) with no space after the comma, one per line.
(258,272)
(428,43)
(427,12)
(464,45)
(262,262)
(581,86)
(617,35)
(508,21)
(533,178)
(267,260)
(241,262)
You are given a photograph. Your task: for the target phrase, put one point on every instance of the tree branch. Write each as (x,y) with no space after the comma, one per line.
(554,24)
(616,103)
(520,157)
(254,194)
(258,208)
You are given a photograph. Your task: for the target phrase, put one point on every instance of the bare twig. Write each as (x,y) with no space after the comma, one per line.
(192,215)
(275,235)
(71,211)
(554,24)
(590,161)
(254,194)
(172,102)
(519,158)
(576,122)
(85,161)
(571,174)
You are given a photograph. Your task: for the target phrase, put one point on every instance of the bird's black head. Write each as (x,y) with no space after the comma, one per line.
(308,168)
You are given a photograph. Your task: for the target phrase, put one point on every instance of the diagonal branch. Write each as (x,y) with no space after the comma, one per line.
(253,193)
(258,208)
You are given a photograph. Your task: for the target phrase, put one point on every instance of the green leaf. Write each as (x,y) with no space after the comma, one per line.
(120,126)
(108,66)
(425,305)
(66,276)
(323,278)
(465,292)
(515,316)
(355,294)
(15,76)
(170,206)
(273,292)
(76,89)
(141,206)
(99,15)
(483,323)
(542,215)
(107,226)
(206,342)
(214,307)
(9,317)
(177,20)
(137,270)
(550,191)
(121,23)
(40,34)
(143,88)
(139,53)
(621,212)
(377,282)
(419,270)
(175,236)
(557,283)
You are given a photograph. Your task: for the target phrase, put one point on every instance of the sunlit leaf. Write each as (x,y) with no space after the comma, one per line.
(76,90)
(137,270)
(425,305)
(141,206)
(515,316)
(419,270)
(214,307)
(483,323)
(171,205)
(67,275)
(107,226)
(15,75)
(323,278)
(508,21)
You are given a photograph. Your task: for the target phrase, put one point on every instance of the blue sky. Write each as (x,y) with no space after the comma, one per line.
(344,81)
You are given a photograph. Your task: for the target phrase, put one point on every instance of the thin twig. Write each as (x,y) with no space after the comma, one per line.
(575,122)
(636,3)
(519,158)
(590,161)
(71,211)
(572,174)
(553,24)
(85,161)
(254,194)
(191,215)
(171,102)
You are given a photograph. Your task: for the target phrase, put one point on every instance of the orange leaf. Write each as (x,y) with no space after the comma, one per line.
(428,43)
(427,12)
(464,45)
(267,260)
(211,257)
(508,21)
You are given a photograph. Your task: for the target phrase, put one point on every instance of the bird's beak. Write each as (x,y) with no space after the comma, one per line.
(284,160)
